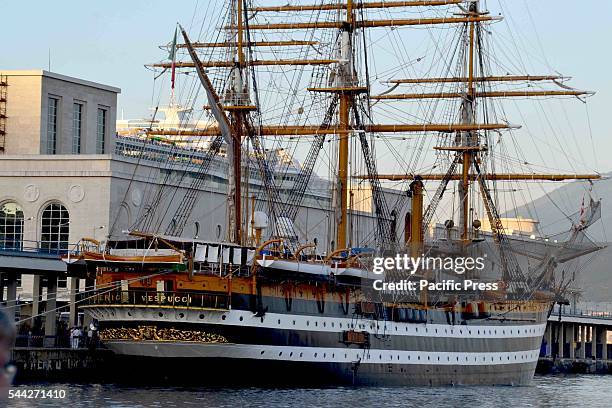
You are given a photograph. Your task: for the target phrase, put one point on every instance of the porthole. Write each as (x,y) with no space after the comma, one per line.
(315,354)
(324,324)
(294,322)
(428,358)
(301,354)
(317,324)
(418,357)
(262,351)
(279,321)
(181,315)
(160,314)
(280,354)
(307,323)
(291,354)
(241,318)
(324,355)
(129,314)
(202,316)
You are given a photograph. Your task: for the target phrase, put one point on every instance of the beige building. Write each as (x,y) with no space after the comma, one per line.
(515,226)
(56,131)
(49,113)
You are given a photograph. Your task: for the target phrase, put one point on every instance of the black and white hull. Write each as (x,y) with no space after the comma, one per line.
(396,353)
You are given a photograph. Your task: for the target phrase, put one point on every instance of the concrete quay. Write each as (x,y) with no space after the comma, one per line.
(60,364)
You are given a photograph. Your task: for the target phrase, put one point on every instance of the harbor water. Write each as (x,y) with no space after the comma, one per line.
(546,391)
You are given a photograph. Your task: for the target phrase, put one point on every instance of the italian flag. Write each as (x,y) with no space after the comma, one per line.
(172,57)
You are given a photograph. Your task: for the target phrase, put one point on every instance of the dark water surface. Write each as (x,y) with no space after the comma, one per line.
(546,391)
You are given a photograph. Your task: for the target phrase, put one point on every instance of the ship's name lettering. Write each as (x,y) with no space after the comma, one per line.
(166,299)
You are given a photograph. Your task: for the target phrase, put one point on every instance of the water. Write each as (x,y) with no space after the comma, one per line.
(547,391)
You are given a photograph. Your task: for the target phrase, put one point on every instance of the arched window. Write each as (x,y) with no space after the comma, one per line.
(55,227)
(11,226)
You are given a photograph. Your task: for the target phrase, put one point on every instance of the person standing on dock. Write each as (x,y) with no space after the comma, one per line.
(74,338)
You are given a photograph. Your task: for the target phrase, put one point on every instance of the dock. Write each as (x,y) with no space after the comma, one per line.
(576,341)
(60,364)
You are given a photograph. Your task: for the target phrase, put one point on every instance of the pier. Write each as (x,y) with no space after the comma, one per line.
(44,317)
(576,341)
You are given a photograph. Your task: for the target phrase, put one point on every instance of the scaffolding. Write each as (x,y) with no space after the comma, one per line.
(3,92)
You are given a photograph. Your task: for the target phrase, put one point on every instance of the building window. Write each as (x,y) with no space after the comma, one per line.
(55,228)
(11,226)
(101,131)
(52,126)
(77,127)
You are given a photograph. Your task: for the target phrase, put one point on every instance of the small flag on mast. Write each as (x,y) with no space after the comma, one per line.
(172,57)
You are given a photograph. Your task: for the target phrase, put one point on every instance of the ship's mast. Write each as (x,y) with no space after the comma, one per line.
(346,86)
(345,81)
(238,100)
(468,139)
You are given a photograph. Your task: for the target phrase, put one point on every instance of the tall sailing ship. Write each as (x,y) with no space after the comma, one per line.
(268,300)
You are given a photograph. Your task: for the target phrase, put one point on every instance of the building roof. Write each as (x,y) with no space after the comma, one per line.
(66,78)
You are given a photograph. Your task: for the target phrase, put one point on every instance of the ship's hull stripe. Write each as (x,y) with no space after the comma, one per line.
(475,329)
(318,354)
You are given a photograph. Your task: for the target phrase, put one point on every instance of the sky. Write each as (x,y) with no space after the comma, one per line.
(110,41)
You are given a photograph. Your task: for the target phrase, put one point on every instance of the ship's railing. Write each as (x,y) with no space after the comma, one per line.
(197,300)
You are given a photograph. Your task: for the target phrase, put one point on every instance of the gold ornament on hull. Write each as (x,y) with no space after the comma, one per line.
(152,333)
